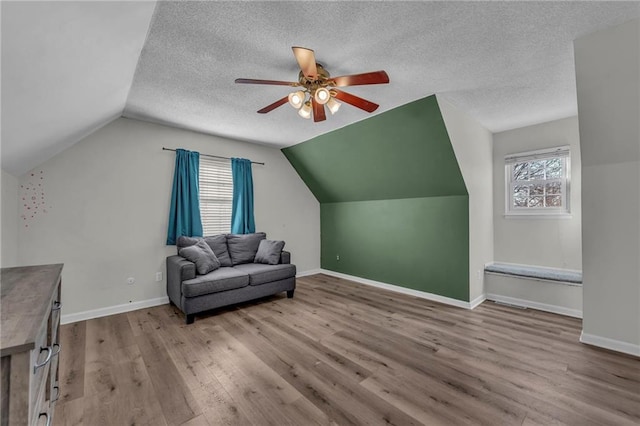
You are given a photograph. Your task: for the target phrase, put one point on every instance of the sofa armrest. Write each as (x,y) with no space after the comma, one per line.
(285,257)
(178,270)
(181,268)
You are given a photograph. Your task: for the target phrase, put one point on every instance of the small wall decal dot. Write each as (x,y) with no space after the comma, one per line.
(33,197)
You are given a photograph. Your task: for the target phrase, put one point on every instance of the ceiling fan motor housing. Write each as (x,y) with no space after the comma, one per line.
(311,84)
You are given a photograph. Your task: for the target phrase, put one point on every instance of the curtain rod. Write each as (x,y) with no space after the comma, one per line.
(213,156)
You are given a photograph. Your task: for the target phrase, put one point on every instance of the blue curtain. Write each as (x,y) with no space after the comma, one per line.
(242,221)
(184,212)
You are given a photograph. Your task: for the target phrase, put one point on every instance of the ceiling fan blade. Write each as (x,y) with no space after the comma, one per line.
(307,61)
(274,105)
(375,77)
(272,82)
(355,101)
(318,111)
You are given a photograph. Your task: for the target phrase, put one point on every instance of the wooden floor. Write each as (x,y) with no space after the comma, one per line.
(342,353)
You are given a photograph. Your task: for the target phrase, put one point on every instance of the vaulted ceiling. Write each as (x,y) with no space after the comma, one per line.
(70,67)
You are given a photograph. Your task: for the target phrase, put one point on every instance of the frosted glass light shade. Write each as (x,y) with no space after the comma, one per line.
(333,105)
(296,99)
(305,111)
(322,96)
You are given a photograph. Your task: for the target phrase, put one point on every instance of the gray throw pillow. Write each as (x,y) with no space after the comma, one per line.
(183,241)
(201,254)
(218,244)
(243,247)
(269,252)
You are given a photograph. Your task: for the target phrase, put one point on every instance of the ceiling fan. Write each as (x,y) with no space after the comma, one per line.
(318,88)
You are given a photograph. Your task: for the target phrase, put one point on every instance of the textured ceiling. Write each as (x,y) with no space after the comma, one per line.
(507,64)
(67,66)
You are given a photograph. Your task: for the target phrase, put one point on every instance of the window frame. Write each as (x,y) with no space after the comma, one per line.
(217,177)
(561,152)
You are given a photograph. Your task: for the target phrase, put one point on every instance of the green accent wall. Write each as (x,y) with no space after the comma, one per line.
(393,203)
(418,243)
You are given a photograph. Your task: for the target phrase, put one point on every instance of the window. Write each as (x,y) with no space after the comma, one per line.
(537,182)
(216,195)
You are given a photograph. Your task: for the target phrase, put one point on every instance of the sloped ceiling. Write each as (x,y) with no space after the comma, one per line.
(68,67)
(66,70)
(401,153)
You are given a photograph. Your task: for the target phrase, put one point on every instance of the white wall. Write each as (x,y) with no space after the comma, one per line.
(9,236)
(108,202)
(472,145)
(608,88)
(550,242)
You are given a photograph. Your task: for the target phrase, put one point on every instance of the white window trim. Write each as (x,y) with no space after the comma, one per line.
(538,213)
(218,169)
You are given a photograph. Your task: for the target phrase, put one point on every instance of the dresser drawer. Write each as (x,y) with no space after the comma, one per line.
(54,340)
(41,415)
(54,321)
(39,371)
(53,389)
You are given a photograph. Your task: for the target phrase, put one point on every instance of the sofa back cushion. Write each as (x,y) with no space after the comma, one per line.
(201,254)
(218,244)
(243,247)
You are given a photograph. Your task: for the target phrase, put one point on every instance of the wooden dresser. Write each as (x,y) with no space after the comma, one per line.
(29,343)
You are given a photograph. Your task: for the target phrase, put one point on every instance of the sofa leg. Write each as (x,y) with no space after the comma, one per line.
(290,294)
(191,318)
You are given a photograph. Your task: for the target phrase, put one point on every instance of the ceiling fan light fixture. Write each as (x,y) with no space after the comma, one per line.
(305,111)
(315,88)
(296,99)
(333,105)
(322,95)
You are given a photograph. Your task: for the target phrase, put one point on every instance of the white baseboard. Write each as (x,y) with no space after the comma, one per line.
(606,343)
(408,291)
(309,272)
(535,305)
(127,307)
(477,301)
(112,310)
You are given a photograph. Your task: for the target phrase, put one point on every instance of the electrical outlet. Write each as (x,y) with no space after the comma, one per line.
(338,257)
(158,276)
(479,275)
(131,280)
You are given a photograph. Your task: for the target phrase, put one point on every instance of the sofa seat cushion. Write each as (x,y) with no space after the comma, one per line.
(221,279)
(262,274)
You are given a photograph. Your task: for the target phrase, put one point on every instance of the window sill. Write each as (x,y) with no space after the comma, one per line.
(560,216)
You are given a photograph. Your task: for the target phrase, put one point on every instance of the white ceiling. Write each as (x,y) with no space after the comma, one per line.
(68,68)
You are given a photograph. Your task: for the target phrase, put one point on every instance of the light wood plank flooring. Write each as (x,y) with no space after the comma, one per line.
(342,353)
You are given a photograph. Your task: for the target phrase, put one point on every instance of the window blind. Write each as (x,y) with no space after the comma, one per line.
(216,195)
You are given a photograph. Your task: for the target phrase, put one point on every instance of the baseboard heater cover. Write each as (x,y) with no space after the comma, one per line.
(511,305)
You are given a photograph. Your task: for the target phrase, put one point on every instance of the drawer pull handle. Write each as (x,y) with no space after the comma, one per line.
(56,306)
(57,389)
(48,418)
(46,360)
(56,349)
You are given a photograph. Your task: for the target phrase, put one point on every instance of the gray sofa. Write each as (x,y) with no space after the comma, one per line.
(222,270)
